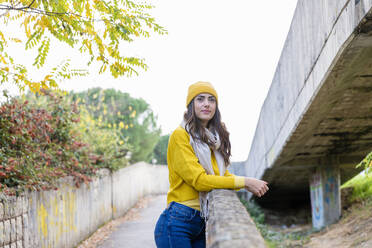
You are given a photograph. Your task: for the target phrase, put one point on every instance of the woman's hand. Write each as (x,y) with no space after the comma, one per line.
(256,186)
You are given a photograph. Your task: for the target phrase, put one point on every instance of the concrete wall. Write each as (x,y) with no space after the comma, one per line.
(144,178)
(237,168)
(325,196)
(318,34)
(229,224)
(65,217)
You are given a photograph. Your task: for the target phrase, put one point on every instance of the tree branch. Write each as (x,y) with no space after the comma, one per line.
(50,13)
(7,7)
(29,6)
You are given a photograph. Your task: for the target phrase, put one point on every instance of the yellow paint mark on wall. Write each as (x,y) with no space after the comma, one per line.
(72,211)
(42,215)
(58,223)
(56,217)
(56,209)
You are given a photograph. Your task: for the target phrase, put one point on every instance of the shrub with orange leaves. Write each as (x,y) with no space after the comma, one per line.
(38,145)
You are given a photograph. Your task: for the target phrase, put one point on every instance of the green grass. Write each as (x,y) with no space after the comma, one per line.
(362,185)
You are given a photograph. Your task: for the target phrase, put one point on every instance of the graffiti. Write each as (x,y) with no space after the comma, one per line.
(331,189)
(325,201)
(316,194)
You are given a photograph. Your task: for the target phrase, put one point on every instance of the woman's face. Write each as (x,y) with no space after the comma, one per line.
(205,107)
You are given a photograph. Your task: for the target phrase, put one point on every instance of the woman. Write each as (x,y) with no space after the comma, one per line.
(199,151)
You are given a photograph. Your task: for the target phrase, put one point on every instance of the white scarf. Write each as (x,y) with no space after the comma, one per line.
(203,153)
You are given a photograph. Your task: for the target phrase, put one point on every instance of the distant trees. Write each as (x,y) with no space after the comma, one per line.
(132,116)
(160,151)
(95,28)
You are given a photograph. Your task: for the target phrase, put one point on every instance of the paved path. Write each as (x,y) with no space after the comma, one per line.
(139,232)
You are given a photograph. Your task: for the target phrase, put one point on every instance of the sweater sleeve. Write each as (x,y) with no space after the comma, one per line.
(185,164)
(239,180)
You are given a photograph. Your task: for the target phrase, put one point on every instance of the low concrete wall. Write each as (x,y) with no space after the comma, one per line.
(65,217)
(145,179)
(229,224)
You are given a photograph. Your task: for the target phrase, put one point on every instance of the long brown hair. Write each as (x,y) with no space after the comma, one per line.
(196,130)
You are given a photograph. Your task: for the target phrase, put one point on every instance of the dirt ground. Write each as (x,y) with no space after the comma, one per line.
(353,230)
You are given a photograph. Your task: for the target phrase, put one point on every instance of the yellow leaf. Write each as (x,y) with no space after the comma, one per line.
(47,77)
(16,40)
(44,22)
(27,29)
(121,124)
(2,37)
(3,59)
(87,9)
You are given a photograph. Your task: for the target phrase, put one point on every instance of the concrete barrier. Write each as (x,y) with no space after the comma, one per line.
(65,217)
(145,179)
(229,224)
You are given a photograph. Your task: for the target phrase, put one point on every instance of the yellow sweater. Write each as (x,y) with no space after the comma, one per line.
(187,177)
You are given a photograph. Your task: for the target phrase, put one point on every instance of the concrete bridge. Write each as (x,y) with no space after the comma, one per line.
(316,122)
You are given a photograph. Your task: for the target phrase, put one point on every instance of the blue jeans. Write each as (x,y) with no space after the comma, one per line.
(180,226)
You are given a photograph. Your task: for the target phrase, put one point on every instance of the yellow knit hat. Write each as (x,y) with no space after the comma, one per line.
(198,88)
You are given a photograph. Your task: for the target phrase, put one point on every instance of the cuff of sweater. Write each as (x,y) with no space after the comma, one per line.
(239,182)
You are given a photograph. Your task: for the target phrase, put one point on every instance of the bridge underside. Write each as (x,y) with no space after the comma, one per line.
(336,128)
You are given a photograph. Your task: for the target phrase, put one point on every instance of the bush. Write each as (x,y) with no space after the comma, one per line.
(112,150)
(366,163)
(362,187)
(38,145)
(361,183)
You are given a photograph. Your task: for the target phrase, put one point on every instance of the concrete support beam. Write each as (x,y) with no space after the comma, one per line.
(325,196)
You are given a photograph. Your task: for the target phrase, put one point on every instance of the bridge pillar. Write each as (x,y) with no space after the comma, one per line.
(325,196)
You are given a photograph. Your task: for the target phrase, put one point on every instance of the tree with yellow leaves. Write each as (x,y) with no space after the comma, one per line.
(133,117)
(95,27)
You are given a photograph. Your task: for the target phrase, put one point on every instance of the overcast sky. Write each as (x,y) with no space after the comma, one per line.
(233,44)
